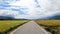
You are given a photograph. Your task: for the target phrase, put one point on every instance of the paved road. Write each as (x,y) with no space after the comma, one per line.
(29,28)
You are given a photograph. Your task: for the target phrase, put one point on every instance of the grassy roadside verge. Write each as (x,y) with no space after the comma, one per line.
(52,26)
(8,25)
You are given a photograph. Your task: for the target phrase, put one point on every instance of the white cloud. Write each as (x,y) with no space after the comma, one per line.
(47,9)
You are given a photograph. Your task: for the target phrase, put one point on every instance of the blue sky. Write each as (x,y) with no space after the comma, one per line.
(29,9)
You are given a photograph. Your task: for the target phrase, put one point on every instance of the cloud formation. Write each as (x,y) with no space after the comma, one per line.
(29,9)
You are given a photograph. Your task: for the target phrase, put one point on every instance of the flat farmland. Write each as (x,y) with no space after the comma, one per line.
(7,25)
(52,26)
(48,22)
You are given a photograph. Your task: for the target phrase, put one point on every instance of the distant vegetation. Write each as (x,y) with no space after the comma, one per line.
(8,25)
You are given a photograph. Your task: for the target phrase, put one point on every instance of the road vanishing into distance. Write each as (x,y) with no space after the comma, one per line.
(29,28)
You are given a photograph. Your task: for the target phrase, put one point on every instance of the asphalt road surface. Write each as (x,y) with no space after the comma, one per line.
(29,28)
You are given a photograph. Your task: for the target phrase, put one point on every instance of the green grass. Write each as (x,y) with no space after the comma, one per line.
(6,25)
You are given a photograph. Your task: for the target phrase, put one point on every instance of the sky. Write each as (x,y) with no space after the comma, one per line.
(30,9)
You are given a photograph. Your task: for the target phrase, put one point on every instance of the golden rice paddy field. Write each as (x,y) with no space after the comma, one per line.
(53,25)
(48,22)
(6,25)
